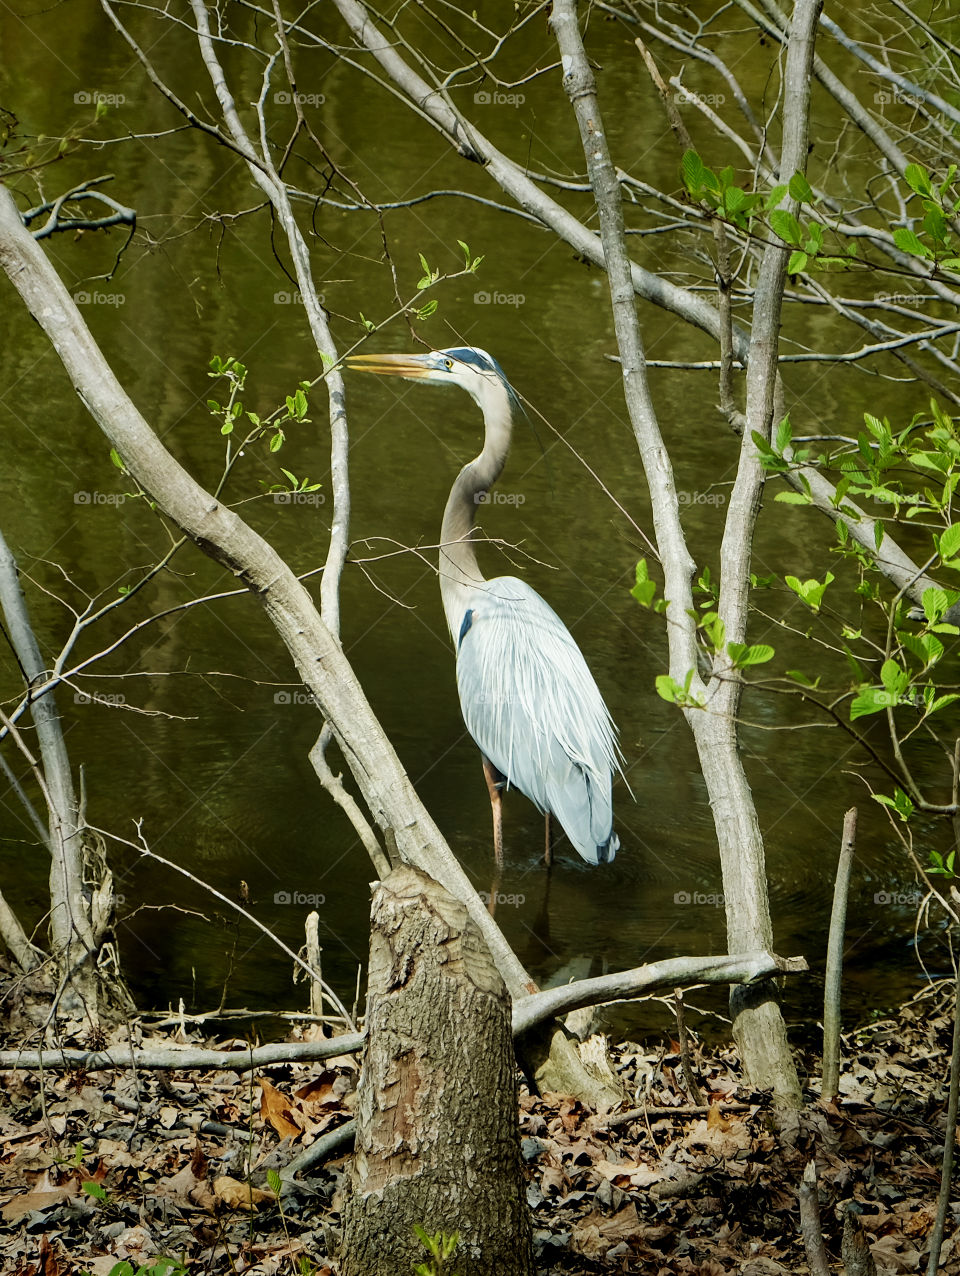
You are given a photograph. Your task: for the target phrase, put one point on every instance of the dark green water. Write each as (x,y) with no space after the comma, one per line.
(209,749)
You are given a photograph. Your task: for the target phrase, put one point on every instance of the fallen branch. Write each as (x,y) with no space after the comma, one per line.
(683,1113)
(173,1057)
(320,1149)
(625,985)
(528,1012)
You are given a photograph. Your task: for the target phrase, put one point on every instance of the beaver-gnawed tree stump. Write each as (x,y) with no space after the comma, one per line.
(437,1140)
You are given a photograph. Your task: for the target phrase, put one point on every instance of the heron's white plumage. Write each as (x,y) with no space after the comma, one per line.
(528,698)
(533,707)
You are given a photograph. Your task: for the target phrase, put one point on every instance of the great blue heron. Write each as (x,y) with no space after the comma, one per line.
(527,696)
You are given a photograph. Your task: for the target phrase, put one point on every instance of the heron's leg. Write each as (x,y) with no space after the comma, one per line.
(494,891)
(495,782)
(548,840)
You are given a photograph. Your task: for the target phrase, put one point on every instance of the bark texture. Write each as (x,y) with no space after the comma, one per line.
(437,1143)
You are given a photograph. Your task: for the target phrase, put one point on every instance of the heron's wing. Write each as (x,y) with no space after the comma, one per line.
(533,707)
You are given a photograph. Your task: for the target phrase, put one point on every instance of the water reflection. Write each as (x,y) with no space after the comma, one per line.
(217,766)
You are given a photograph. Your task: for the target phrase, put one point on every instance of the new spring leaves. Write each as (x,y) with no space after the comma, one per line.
(756,213)
(891,663)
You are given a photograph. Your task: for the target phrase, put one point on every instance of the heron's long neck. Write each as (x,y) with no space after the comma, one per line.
(460,574)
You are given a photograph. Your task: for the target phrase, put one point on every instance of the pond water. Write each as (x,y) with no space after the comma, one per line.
(208,745)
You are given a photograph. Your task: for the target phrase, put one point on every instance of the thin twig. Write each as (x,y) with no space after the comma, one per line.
(834,973)
(949,1142)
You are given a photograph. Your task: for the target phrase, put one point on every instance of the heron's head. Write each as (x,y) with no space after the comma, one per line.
(468,367)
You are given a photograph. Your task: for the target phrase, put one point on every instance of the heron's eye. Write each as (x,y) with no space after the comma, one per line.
(448,364)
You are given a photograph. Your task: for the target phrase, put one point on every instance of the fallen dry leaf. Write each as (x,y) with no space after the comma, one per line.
(239,1196)
(41,1196)
(275,1108)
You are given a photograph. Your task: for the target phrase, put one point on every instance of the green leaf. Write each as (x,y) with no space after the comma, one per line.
(894,678)
(927,648)
(799,676)
(949,545)
(299,404)
(94,1189)
(667,689)
(800,189)
(645,589)
(227,427)
(784,435)
(810,591)
(276,1183)
(932,462)
(814,241)
(934,603)
(428,308)
(918,179)
(276,443)
(117,459)
(941,703)
(793,498)
(797,263)
(744,656)
(908,242)
(940,867)
(214,406)
(871,700)
(899,803)
(692,169)
(785,225)
(715,629)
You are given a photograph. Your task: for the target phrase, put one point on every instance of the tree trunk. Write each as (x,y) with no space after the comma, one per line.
(73,943)
(437,1143)
(758,1025)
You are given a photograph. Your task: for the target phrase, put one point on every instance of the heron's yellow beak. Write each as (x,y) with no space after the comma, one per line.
(418,366)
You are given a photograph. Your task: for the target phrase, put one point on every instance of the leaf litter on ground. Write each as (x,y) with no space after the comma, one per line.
(110,1166)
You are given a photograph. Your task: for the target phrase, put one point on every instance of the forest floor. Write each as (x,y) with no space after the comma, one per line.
(108,1166)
